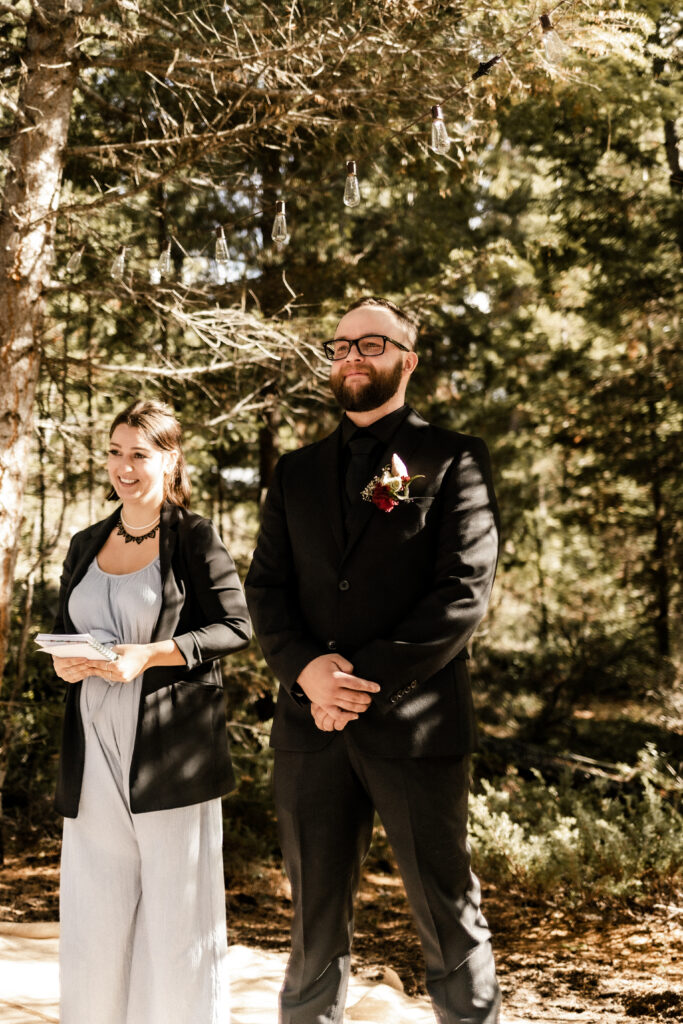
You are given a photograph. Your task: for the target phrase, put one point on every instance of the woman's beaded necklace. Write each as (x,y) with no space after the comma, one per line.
(138,539)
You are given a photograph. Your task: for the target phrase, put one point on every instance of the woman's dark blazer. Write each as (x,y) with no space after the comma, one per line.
(181,753)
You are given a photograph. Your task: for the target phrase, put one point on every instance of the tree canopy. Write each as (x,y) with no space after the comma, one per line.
(541,254)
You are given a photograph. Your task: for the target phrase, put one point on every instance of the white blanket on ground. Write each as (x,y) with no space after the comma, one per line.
(29,984)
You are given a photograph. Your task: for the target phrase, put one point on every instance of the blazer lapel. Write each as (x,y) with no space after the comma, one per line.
(403,443)
(171,597)
(95,541)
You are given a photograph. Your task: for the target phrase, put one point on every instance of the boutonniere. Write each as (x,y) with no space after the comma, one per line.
(391,486)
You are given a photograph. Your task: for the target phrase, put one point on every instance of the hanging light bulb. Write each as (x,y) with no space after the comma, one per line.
(555,49)
(119,265)
(280,234)
(164,264)
(222,255)
(351,188)
(75,260)
(440,140)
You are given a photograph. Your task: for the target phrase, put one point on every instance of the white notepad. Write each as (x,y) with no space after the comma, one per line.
(74,645)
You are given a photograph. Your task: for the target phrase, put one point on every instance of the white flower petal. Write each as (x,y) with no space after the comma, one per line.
(398,466)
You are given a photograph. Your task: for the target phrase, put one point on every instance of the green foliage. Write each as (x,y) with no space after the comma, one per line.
(31,723)
(542,257)
(590,842)
(250,830)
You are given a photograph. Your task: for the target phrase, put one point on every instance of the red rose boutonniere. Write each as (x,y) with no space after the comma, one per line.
(391,486)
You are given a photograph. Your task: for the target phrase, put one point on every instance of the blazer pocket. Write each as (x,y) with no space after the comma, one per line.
(206,674)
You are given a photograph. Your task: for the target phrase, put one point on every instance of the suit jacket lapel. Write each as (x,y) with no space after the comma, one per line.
(327,486)
(404,442)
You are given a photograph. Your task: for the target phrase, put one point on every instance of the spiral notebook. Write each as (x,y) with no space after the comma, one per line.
(74,645)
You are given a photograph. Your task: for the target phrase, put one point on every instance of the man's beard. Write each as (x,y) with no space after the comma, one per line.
(378,389)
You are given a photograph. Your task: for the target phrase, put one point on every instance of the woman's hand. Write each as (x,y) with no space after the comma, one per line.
(132,661)
(71,670)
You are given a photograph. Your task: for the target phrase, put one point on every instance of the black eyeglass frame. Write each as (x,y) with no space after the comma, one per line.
(328,346)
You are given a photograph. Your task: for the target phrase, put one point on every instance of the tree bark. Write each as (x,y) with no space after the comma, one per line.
(31,197)
(269,451)
(270,299)
(671,147)
(660,571)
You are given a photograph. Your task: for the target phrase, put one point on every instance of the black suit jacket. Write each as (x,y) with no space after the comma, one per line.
(181,754)
(399,595)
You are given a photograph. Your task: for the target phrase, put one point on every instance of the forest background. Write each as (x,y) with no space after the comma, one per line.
(542,256)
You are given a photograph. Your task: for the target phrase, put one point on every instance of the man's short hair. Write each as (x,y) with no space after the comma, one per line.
(374,301)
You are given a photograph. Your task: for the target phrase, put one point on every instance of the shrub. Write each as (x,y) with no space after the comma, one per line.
(586,840)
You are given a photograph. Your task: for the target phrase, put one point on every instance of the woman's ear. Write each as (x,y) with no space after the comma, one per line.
(171,462)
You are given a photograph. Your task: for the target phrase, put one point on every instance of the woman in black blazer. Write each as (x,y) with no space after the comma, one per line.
(145,755)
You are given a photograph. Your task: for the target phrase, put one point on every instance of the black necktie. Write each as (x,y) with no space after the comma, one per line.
(361,446)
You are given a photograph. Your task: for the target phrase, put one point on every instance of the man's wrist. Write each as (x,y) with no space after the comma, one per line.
(299,694)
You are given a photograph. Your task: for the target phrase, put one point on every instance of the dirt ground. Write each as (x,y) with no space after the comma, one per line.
(602,966)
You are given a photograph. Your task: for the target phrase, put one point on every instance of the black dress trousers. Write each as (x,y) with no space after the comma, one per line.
(326,802)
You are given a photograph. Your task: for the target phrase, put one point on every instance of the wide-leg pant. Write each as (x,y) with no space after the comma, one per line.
(325,802)
(142,899)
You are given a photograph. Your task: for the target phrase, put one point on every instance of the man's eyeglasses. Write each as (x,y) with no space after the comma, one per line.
(368,345)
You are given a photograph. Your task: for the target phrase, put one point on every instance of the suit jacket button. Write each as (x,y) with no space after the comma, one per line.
(332,645)
(413,684)
(393,698)
(344,584)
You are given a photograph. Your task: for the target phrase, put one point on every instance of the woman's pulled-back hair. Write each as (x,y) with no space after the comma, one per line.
(158,423)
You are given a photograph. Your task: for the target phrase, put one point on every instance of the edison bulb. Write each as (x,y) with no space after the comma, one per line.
(440,141)
(164,264)
(74,261)
(555,49)
(118,267)
(280,234)
(222,255)
(351,188)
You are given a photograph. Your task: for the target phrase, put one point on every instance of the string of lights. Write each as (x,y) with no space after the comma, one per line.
(555,50)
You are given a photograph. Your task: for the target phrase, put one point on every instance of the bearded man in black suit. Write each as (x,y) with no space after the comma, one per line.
(374,566)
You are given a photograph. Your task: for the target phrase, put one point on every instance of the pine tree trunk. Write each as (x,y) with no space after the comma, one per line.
(270,293)
(660,570)
(36,154)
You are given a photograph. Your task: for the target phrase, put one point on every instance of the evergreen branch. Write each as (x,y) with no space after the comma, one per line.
(14,13)
(109,108)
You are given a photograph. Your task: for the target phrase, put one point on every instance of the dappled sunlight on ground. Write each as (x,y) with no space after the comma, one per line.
(601,965)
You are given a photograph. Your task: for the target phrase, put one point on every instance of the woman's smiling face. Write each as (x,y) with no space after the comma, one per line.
(136,467)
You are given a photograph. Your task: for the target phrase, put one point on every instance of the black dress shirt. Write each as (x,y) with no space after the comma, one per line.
(382,430)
